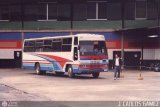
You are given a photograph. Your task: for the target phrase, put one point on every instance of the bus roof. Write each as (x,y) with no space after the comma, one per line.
(82,36)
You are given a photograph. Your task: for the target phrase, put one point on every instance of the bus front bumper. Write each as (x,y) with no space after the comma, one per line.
(89,71)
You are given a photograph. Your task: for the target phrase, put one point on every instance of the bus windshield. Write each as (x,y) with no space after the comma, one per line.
(92,48)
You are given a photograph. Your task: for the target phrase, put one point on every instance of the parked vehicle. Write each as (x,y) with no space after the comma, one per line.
(74,54)
(152,66)
(157,67)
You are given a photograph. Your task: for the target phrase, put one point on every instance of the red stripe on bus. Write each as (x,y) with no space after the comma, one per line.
(94,57)
(60,60)
(92,66)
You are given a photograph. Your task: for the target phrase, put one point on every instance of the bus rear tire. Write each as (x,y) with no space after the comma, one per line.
(38,69)
(70,71)
(95,75)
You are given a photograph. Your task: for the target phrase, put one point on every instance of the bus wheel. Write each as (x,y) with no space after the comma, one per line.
(95,75)
(37,69)
(70,71)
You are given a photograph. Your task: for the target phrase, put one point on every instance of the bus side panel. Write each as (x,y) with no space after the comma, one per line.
(58,59)
(47,61)
(30,59)
(28,66)
(45,67)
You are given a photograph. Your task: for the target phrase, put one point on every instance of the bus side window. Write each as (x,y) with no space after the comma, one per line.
(67,41)
(75,56)
(76,41)
(29,46)
(66,44)
(39,46)
(47,46)
(57,46)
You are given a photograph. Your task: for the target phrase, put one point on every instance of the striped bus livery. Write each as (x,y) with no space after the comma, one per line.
(73,54)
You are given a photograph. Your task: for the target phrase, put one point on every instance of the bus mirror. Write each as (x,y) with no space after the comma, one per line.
(75,54)
(78,47)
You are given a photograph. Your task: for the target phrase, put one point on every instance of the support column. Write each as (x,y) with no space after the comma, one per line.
(122,32)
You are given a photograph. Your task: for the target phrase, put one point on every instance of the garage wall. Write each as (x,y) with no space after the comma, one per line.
(149,54)
(28,35)
(113,42)
(11,42)
(157,54)
(7,54)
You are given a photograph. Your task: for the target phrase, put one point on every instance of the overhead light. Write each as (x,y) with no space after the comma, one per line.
(153,36)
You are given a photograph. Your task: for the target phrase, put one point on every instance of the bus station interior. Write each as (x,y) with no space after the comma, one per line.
(128,26)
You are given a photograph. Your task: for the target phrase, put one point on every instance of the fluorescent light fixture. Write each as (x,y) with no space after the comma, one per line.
(153,36)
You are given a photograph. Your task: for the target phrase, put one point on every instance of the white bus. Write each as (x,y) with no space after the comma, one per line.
(74,54)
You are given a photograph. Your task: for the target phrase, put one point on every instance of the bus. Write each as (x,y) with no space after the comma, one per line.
(71,54)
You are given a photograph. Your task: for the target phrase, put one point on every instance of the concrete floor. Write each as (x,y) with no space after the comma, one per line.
(25,85)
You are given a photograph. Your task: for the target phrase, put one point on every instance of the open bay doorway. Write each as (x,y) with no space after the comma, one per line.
(131,58)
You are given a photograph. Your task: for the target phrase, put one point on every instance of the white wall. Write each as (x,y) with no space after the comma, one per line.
(149,54)
(7,53)
(110,52)
(157,54)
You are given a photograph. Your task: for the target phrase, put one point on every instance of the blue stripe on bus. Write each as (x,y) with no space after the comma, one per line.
(56,65)
(46,67)
(28,66)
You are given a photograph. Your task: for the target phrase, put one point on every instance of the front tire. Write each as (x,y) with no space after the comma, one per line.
(95,75)
(38,69)
(70,71)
